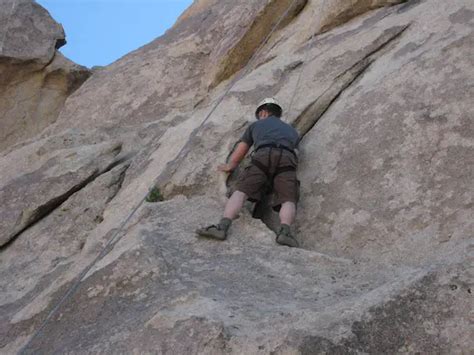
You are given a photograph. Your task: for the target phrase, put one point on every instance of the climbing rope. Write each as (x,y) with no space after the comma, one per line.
(117,236)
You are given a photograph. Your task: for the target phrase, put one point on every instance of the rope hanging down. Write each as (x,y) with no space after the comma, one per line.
(116,236)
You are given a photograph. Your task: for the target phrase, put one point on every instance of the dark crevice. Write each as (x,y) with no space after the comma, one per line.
(117,183)
(44,210)
(49,207)
(322,104)
(407,5)
(60,42)
(314,111)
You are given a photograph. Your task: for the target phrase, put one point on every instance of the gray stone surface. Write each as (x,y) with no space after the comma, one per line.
(393,155)
(28,33)
(35,79)
(163,290)
(383,99)
(46,182)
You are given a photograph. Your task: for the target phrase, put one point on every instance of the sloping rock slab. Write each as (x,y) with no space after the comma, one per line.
(163,290)
(387,170)
(34,193)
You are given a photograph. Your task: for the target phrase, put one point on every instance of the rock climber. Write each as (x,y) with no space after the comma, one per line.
(273,166)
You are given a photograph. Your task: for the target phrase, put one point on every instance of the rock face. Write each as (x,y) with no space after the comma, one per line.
(35,79)
(381,93)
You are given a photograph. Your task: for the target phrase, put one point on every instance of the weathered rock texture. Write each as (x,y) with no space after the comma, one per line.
(35,79)
(381,92)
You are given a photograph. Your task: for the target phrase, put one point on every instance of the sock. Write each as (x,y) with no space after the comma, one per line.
(285,228)
(225,223)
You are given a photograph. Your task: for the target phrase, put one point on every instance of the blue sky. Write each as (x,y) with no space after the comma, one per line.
(99,32)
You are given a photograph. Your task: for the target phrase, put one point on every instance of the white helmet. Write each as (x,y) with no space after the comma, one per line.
(271,102)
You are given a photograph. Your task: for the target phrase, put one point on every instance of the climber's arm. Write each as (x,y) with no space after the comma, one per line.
(237,156)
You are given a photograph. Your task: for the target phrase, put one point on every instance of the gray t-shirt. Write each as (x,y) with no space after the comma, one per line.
(271,130)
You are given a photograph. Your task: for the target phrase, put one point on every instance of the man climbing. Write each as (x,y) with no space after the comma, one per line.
(273,167)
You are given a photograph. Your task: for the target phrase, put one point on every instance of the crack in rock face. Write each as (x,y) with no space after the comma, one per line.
(43,192)
(310,116)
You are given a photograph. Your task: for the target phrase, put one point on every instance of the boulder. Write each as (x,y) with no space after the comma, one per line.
(35,79)
(29,33)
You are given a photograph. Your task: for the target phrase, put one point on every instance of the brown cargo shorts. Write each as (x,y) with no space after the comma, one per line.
(253,181)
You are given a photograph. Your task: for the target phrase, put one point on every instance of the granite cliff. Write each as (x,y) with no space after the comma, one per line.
(381,93)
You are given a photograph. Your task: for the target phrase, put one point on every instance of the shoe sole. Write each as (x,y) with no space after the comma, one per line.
(206,234)
(288,241)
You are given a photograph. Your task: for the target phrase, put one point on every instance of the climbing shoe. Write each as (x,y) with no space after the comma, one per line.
(284,237)
(214,231)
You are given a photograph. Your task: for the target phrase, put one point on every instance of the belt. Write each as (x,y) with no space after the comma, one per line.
(278,146)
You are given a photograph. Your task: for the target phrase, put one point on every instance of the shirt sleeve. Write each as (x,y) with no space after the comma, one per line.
(247,136)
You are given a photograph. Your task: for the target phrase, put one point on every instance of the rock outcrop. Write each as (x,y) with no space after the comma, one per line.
(35,79)
(381,92)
